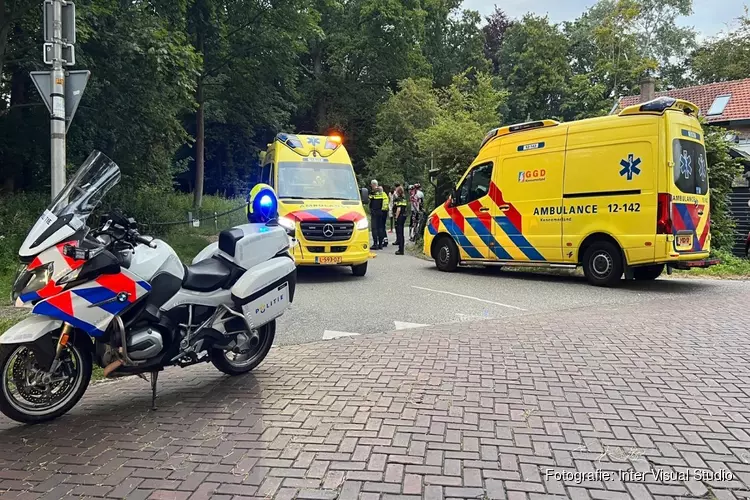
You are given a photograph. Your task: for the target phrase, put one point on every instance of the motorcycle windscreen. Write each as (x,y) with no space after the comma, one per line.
(72,207)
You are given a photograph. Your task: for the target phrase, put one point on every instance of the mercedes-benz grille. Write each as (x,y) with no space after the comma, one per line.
(327,231)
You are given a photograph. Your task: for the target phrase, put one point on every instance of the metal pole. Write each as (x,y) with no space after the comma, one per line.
(57,119)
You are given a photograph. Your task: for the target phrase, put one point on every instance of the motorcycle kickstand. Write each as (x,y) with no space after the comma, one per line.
(154,378)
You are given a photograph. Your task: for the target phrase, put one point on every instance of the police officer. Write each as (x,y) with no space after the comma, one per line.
(399,213)
(384,219)
(376,213)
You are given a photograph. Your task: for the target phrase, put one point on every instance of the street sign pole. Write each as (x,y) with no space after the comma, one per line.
(57,114)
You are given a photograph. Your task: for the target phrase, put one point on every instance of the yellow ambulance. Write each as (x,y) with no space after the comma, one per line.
(319,200)
(626,193)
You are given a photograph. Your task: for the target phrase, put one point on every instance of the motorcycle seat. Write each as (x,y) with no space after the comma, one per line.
(207,275)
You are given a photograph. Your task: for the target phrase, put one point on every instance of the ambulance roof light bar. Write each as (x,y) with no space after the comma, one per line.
(519,127)
(660,105)
(289,140)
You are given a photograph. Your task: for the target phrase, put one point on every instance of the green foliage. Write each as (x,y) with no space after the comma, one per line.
(729,267)
(722,170)
(534,67)
(17,214)
(406,113)
(726,57)
(453,40)
(421,126)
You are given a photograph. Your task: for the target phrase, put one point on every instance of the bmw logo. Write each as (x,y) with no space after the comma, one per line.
(123,296)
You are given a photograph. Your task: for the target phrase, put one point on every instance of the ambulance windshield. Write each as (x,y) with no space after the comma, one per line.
(317,181)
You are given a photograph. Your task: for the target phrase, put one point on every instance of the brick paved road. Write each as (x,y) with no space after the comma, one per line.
(499,410)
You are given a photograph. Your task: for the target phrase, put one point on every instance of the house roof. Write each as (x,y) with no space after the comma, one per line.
(738,107)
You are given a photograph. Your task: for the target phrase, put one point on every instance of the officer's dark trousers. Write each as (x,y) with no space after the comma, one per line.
(383,223)
(376,225)
(400,233)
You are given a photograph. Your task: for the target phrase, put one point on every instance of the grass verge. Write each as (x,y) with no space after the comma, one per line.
(731,267)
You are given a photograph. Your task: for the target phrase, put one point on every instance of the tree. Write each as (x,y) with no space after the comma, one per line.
(142,72)
(246,87)
(453,40)
(605,58)
(726,57)
(494,36)
(469,108)
(535,69)
(402,117)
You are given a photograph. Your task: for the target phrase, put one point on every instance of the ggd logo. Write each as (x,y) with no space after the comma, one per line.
(532,175)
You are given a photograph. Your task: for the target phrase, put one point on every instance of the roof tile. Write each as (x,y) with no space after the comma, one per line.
(703,96)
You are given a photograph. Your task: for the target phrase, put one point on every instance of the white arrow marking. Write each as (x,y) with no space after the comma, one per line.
(332,334)
(402,325)
(468,297)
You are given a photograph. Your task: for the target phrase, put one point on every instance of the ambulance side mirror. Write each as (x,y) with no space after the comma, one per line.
(364,193)
(452,198)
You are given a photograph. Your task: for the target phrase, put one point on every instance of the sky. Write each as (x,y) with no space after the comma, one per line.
(709,16)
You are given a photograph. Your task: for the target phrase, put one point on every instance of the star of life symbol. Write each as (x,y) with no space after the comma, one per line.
(313,141)
(686,165)
(630,167)
(702,171)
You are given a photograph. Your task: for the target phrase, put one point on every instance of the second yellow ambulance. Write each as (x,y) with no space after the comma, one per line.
(319,199)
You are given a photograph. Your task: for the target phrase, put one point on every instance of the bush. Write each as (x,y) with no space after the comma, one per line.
(722,170)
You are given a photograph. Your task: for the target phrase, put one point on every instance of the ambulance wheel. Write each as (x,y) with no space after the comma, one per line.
(648,273)
(359,270)
(602,264)
(446,254)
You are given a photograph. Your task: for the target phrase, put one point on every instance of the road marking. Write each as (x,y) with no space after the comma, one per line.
(472,317)
(402,325)
(332,334)
(468,297)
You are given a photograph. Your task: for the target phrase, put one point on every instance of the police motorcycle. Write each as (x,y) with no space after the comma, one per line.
(125,301)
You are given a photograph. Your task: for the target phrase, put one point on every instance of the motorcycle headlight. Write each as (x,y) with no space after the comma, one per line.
(28,282)
(286,223)
(363,224)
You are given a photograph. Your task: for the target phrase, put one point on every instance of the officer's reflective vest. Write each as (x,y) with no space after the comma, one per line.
(400,202)
(376,201)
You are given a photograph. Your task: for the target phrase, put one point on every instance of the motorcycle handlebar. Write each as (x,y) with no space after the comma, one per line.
(145,241)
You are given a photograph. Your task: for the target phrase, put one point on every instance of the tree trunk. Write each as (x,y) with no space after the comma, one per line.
(199,147)
(199,133)
(320,105)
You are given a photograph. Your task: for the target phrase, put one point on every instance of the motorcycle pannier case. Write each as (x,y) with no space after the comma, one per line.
(265,291)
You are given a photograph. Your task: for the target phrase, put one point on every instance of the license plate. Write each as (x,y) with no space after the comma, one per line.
(685,241)
(328,260)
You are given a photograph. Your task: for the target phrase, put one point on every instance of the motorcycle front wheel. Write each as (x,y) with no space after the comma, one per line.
(249,353)
(30,395)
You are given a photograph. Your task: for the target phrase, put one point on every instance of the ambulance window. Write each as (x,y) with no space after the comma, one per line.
(265,174)
(475,185)
(690,167)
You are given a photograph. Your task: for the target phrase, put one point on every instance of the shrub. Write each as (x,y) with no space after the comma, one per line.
(722,170)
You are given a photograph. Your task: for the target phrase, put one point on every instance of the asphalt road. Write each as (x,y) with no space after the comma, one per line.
(401,292)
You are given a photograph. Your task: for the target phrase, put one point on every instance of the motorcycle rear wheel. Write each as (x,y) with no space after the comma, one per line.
(32,403)
(231,364)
